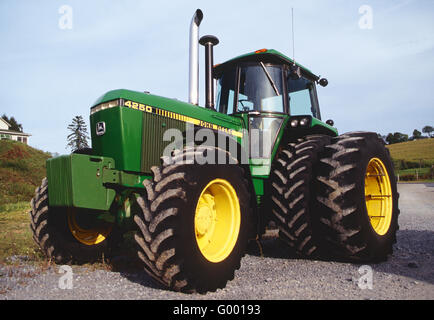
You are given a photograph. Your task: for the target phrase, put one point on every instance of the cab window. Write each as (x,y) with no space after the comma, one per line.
(302,97)
(226,92)
(263,131)
(260,89)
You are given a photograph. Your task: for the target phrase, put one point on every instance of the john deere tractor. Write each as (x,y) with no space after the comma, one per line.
(197,183)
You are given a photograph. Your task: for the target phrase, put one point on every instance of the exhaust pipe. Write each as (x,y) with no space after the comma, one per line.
(193,83)
(209,42)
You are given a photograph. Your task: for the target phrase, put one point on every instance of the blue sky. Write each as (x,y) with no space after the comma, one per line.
(380,79)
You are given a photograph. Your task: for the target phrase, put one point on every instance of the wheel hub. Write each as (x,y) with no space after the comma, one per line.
(86,234)
(378,196)
(205,216)
(217,220)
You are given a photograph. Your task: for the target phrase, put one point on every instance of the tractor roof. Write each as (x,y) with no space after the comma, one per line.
(265,55)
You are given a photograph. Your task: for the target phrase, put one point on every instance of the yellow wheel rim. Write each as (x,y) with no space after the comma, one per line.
(91,236)
(217,220)
(378,196)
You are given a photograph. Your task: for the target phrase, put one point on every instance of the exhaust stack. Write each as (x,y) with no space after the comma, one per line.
(209,42)
(193,83)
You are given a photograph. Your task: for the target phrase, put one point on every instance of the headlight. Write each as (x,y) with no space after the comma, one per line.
(294,123)
(304,122)
(106,105)
(300,122)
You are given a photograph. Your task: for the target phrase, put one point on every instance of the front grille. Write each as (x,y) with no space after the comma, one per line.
(153,145)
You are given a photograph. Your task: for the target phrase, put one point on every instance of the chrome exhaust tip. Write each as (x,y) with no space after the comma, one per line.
(193,83)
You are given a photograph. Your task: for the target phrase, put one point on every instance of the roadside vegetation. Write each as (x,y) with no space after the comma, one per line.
(413,160)
(21,170)
(15,235)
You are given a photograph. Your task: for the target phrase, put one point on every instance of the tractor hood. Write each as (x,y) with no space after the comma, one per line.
(170,108)
(125,123)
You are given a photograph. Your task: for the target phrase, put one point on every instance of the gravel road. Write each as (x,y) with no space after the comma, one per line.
(408,274)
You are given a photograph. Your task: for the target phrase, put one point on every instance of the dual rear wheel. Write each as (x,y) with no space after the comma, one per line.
(357,198)
(336,197)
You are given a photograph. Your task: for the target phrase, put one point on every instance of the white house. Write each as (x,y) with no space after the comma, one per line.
(5,133)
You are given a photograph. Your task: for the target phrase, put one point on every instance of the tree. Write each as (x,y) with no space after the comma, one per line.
(428,130)
(79,137)
(15,126)
(396,137)
(390,139)
(417,134)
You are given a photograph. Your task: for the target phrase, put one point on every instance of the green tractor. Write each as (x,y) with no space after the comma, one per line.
(197,183)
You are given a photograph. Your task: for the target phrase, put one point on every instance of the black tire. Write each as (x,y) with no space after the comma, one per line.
(53,235)
(344,224)
(291,192)
(166,224)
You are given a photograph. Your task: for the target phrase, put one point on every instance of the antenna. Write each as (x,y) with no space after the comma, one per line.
(295,71)
(293,40)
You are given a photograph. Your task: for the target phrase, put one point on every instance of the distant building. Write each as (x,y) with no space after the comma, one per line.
(6,134)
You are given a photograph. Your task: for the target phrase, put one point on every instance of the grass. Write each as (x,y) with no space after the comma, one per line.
(15,234)
(417,152)
(22,169)
(16,239)
(418,171)
(413,150)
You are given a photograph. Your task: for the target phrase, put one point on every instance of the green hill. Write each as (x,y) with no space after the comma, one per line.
(413,159)
(21,170)
(413,151)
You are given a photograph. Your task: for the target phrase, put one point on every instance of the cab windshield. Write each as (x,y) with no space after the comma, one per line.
(260,89)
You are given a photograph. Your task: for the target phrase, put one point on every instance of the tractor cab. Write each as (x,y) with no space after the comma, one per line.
(264,88)
(266,82)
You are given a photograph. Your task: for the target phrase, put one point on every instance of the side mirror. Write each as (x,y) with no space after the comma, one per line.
(323,82)
(330,122)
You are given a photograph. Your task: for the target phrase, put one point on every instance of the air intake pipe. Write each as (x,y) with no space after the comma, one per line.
(209,42)
(193,83)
